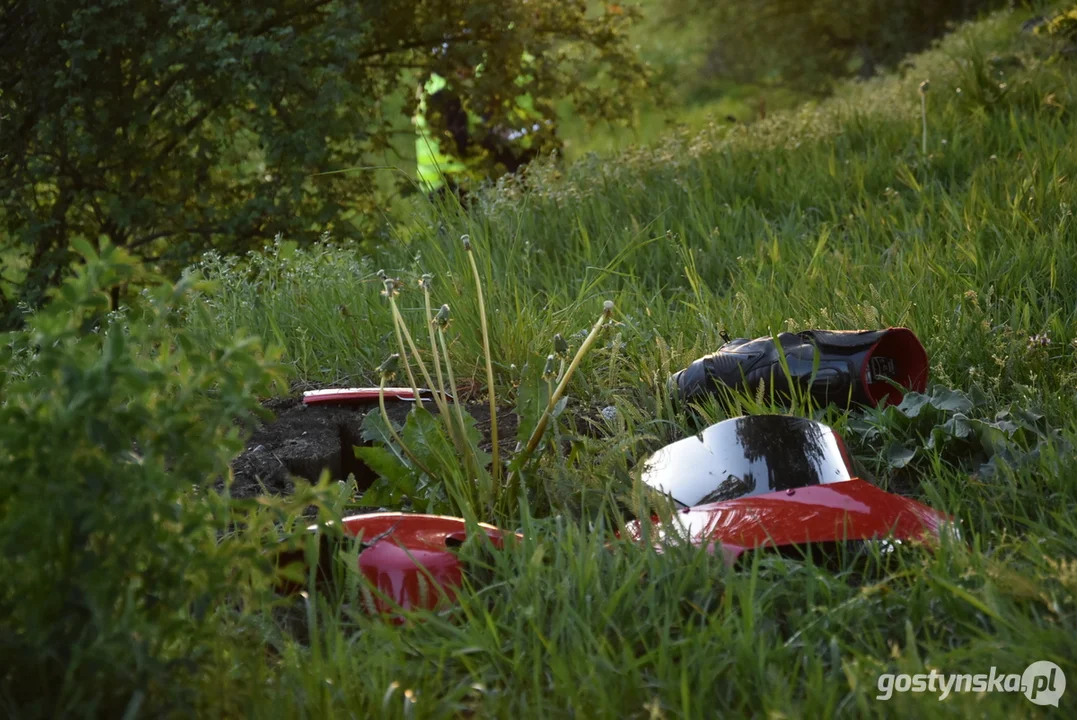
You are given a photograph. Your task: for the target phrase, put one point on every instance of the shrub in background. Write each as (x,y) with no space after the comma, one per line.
(177,127)
(112,428)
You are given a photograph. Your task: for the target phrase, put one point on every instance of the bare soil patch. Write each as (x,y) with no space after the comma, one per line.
(301,441)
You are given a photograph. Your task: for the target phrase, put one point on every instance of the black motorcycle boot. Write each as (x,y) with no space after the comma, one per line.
(852,365)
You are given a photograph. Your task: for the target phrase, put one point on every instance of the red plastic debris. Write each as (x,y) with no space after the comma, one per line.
(358,395)
(411,559)
(835,512)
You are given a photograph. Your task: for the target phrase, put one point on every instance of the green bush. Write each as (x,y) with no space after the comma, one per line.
(176,127)
(113,427)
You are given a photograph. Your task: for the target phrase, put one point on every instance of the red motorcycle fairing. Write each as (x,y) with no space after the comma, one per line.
(836,512)
(410,559)
(775,481)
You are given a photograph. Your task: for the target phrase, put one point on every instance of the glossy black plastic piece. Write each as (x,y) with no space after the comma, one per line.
(839,367)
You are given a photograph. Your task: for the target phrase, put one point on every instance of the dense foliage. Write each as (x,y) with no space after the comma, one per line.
(173,127)
(112,429)
(809,44)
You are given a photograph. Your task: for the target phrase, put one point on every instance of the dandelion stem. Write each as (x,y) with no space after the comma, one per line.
(452,380)
(924,86)
(443,408)
(540,428)
(392,431)
(434,348)
(923,115)
(469,452)
(459,441)
(496,451)
(397,322)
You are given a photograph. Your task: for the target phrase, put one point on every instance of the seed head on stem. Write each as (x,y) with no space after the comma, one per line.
(391,289)
(440,397)
(389,367)
(560,346)
(551,367)
(443,318)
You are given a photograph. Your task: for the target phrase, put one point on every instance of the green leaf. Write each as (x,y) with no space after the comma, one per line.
(532,395)
(386,464)
(84,249)
(912,404)
(425,437)
(396,480)
(1030,420)
(374,428)
(956,427)
(949,400)
(897,455)
(474,437)
(994,437)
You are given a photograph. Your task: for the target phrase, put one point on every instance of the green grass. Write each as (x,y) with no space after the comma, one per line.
(826,217)
(683,95)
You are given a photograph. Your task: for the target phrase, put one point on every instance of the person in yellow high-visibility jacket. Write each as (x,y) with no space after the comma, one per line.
(432,165)
(441,157)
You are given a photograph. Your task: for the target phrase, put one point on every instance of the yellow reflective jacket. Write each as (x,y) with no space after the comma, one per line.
(432,165)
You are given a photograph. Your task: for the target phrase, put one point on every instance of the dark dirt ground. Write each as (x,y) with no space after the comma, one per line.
(300,441)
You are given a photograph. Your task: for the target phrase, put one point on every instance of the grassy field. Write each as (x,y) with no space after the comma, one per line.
(832,216)
(684,95)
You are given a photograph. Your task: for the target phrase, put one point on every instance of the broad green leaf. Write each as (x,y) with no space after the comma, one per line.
(424,435)
(374,428)
(474,437)
(386,464)
(1030,420)
(993,436)
(949,400)
(913,403)
(897,455)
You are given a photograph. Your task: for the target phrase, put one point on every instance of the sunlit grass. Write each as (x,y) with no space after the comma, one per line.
(828,217)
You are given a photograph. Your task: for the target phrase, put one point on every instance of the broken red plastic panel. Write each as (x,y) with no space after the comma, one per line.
(775,481)
(409,559)
(344,396)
